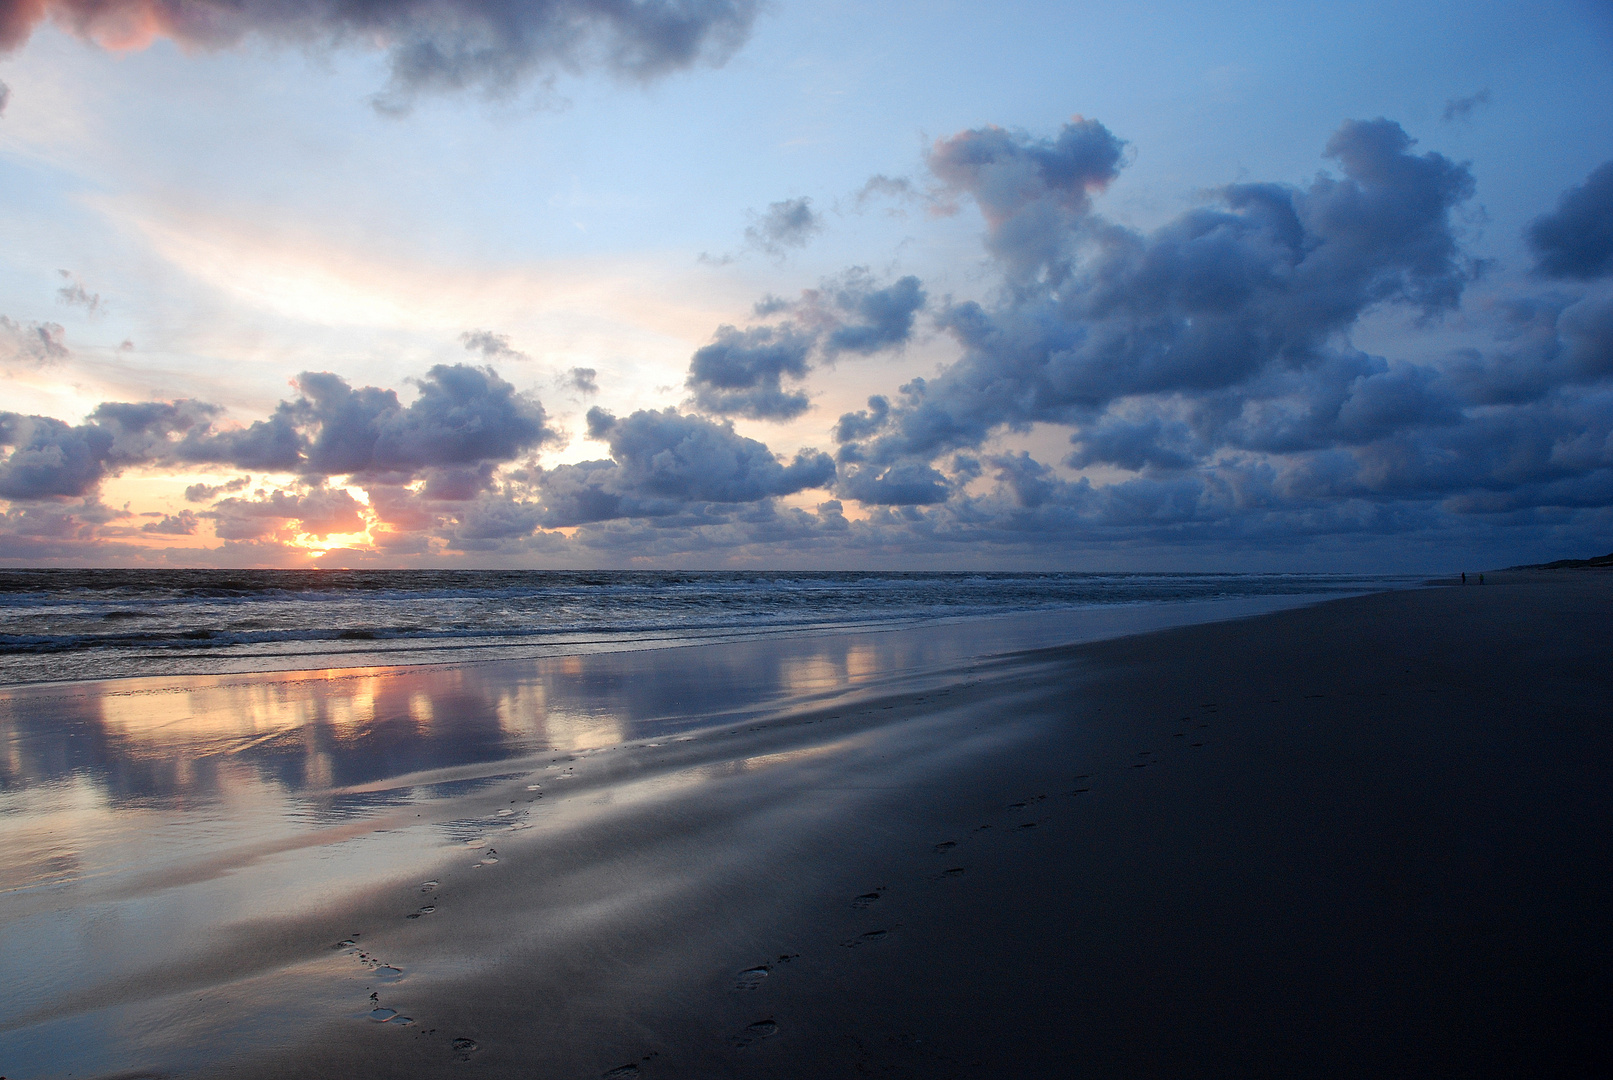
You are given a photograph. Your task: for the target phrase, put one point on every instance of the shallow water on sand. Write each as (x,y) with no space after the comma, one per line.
(171,850)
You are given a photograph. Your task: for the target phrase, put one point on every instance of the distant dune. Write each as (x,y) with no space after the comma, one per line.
(1570,564)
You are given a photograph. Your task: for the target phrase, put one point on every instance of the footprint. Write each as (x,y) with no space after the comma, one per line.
(1016,806)
(1080,790)
(945,845)
(620,1072)
(866,898)
(427,886)
(427,910)
(1028,825)
(866,939)
(953,872)
(752,978)
(345,943)
(755,1033)
(382,1015)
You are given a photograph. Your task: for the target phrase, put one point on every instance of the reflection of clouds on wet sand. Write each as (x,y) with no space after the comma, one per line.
(174,835)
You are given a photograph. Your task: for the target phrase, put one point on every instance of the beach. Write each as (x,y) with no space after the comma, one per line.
(1367,836)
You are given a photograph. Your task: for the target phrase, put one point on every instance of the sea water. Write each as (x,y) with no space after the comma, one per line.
(96,624)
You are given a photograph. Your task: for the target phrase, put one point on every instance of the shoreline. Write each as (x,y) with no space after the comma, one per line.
(84,638)
(1388,854)
(1124,618)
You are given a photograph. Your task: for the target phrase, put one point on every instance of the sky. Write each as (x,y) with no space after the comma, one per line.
(721,283)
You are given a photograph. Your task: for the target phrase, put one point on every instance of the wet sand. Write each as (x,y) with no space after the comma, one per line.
(1369,837)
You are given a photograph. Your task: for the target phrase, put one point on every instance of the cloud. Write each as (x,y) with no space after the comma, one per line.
(1031,191)
(584,380)
(181,524)
(1218,299)
(665,463)
(1204,372)
(35,343)
(907,483)
(1576,240)
(740,372)
(464,415)
(880,186)
(787,224)
(199,493)
(490,345)
(74,294)
(49,459)
(1462,108)
(871,319)
(492,46)
(5,98)
(319,512)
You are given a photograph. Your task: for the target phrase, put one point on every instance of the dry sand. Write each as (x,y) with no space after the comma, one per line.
(1365,838)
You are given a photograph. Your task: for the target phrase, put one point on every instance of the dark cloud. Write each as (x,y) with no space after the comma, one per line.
(872,319)
(787,224)
(494,46)
(49,459)
(457,485)
(1030,190)
(181,524)
(5,98)
(1542,343)
(199,493)
(584,380)
(664,463)
(1221,298)
(464,418)
(464,415)
(907,483)
(1211,359)
(1462,108)
(741,372)
(1576,239)
(319,512)
(853,427)
(492,346)
(1208,364)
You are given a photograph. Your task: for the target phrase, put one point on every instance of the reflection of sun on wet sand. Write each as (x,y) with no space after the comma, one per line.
(1364,838)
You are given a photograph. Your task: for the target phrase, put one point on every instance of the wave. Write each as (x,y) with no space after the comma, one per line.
(102,623)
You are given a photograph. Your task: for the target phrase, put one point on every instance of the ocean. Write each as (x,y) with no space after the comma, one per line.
(99,624)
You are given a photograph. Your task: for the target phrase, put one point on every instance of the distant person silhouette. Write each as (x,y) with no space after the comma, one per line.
(1481,579)
(1464,577)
